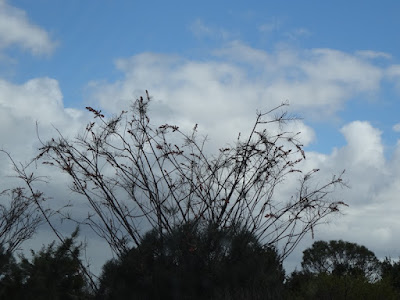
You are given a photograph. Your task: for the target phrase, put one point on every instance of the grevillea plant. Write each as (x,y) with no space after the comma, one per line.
(137,176)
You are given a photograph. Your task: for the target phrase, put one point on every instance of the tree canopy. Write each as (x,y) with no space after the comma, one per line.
(341,270)
(195,261)
(341,258)
(52,273)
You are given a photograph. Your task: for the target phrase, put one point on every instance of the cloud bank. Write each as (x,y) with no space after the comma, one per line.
(17,30)
(222,95)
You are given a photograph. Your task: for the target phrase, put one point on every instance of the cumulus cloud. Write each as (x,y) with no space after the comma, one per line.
(393,74)
(16,29)
(317,81)
(217,95)
(372,216)
(363,159)
(374,179)
(338,67)
(240,80)
(21,106)
(222,95)
(364,145)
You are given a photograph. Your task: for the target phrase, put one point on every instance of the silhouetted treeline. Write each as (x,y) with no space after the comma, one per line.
(201,261)
(52,273)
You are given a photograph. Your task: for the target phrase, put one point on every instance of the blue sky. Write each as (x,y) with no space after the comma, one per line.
(90,36)
(214,62)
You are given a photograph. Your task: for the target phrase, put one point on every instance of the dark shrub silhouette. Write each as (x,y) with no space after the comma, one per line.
(195,261)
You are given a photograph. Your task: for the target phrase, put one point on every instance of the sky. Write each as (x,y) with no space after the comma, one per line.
(217,63)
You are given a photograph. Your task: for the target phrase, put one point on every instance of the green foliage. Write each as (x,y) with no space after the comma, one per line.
(52,273)
(341,258)
(307,286)
(10,277)
(195,261)
(339,270)
(391,273)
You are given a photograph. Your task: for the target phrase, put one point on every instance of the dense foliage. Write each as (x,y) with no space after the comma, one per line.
(391,273)
(342,270)
(341,258)
(195,261)
(52,273)
(323,286)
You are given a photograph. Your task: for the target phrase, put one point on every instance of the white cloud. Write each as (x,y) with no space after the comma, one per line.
(372,216)
(21,106)
(222,96)
(298,33)
(373,54)
(16,29)
(364,145)
(339,67)
(236,51)
(241,79)
(316,81)
(201,30)
(274,25)
(393,71)
(189,92)
(393,74)
(268,27)
(396,127)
